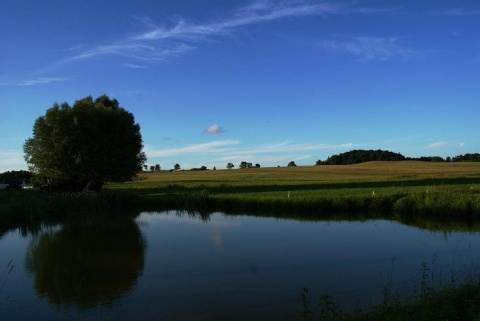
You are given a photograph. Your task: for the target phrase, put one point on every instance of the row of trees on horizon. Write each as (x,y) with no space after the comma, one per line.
(356,156)
(351,157)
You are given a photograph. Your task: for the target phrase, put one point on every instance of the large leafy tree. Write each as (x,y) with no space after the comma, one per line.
(80,147)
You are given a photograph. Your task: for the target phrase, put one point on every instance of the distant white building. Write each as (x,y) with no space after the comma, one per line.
(24,185)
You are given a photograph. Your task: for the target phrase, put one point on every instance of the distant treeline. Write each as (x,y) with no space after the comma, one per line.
(7,177)
(358,156)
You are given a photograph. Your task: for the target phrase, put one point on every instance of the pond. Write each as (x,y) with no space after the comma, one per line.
(175,266)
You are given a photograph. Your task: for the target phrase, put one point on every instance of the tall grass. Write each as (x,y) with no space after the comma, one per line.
(433,299)
(4,276)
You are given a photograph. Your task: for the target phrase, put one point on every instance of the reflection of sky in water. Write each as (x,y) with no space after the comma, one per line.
(246,268)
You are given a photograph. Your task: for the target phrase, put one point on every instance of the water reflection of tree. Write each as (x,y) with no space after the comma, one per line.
(87,264)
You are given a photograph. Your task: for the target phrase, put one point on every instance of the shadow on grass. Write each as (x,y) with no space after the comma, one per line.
(279,187)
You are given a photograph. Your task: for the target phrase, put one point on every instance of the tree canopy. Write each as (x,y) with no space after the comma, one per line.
(359,156)
(475,157)
(81,147)
(22,175)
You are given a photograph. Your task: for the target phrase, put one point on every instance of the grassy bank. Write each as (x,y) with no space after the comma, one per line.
(375,189)
(417,188)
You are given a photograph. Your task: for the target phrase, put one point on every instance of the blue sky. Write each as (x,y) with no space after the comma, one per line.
(262,81)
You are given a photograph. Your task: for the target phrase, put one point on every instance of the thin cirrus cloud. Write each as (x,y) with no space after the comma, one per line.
(371,48)
(133,66)
(438,144)
(158,43)
(231,149)
(210,147)
(35,81)
(259,12)
(459,12)
(137,51)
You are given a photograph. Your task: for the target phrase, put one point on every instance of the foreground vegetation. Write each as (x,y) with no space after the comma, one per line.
(430,300)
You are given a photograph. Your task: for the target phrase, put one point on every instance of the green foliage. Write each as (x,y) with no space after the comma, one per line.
(84,145)
(360,156)
(430,159)
(22,175)
(244,164)
(467,158)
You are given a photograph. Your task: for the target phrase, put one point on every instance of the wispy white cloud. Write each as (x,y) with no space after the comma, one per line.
(138,51)
(438,144)
(214,130)
(219,152)
(459,12)
(33,82)
(258,12)
(371,48)
(159,42)
(210,147)
(76,47)
(134,66)
(287,147)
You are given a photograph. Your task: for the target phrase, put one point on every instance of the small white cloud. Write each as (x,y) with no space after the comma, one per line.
(462,144)
(213,130)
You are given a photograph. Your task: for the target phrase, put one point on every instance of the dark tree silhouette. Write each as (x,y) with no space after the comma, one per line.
(81,147)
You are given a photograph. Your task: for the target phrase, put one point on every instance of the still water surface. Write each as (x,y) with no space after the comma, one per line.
(166,266)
